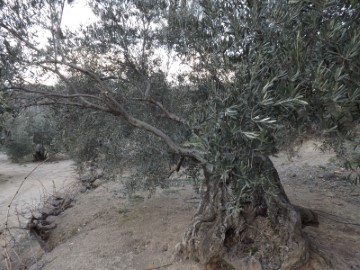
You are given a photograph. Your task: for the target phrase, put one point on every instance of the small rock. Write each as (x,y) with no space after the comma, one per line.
(355,194)
(99,173)
(339,204)
(164,248)
(67,203)
(46,212)
(57,202)
(36,215)
(97,183)
(86,177)
(329,175)
(47,227)
(51,219)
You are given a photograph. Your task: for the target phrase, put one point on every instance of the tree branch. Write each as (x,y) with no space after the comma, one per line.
(118,110)
(159,133)
(148,88)
(47,94)
(62,77)
(19,37)
(73,66)
(72,104)
(162,107)
(177,167)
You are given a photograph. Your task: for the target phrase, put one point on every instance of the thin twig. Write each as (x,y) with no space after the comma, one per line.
(6,228)
(158,267)
(177,167)
(167,113)
(22,183)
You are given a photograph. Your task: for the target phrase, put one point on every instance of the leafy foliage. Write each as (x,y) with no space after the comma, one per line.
(274,71)
(25,131)
(261,74)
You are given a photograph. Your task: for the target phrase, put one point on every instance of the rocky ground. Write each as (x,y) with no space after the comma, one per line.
(105,230)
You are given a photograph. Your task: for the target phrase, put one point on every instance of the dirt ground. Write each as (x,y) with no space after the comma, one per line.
(47,179)
(105,230)
(313,180)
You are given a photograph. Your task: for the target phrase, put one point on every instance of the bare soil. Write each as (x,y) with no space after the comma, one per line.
(105,230)
(47,179)
(313,180)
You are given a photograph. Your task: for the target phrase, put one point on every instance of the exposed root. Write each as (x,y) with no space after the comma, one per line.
(41,225)
(308,216)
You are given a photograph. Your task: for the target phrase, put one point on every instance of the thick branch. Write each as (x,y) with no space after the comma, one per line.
(112,78)
(62,77)
(166,112)
(148,88)
(47,94)
(157,132)
(72,104)
(19,37)
(83,70)
(103,89)
(118,110)
(177,167)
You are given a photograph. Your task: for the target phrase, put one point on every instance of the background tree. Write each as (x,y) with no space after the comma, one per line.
(3,108)
(28,131)
(262,62)
(267,72)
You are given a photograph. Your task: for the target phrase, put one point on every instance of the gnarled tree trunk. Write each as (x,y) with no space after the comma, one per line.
(264,232)
(40,153)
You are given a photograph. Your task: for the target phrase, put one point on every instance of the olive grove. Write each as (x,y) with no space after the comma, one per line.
(261,75)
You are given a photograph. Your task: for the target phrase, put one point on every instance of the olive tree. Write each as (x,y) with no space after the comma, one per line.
(260,74)
(3,108)
(26,132)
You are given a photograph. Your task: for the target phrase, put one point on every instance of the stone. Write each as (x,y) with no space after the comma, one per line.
(97,183)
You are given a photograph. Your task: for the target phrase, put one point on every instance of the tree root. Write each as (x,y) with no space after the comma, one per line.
(265,232)
(39,225)
(308,216)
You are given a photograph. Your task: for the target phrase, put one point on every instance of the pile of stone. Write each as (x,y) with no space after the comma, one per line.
(91,178)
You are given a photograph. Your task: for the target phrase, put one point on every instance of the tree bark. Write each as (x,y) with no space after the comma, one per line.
(263,232)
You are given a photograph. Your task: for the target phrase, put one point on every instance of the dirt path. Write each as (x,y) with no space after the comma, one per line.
(104,230)
(46,179)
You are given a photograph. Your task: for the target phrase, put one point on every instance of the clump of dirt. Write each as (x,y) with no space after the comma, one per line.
(104,230)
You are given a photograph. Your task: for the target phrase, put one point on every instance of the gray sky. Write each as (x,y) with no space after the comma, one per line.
(76,14)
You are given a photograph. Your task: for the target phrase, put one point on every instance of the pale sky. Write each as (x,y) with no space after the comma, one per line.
(79,13)
(76,14)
